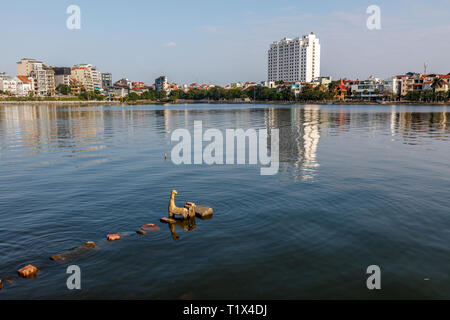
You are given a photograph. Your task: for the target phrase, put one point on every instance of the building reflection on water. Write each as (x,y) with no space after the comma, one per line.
(299,135)
(41,128)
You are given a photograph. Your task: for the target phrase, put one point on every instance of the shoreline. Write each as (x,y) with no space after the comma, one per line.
(184,101)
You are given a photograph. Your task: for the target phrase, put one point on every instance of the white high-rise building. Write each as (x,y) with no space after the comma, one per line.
(294,59)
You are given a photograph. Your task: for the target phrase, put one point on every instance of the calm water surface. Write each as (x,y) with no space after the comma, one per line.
(358,185)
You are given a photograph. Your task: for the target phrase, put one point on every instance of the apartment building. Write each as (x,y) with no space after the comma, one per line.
(107,81)
(24,86)
(428,82)
(8,84)
(62,76)
(41,76)
(19,86)
(294,59)
(83,76)
(369,89)
(161,84)
(88,76)
(416,82)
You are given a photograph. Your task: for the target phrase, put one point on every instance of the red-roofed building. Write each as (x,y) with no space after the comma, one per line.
(341,90)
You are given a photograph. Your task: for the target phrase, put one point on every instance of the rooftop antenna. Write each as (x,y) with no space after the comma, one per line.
(425,68)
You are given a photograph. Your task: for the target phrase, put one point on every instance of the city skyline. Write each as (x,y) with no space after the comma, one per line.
(229,44)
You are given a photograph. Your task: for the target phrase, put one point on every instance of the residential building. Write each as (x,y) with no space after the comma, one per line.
(370,89)
(88,75)
(8,84)
(249,84)
(83,75)
(268,84)
(62,76)
(41,76)
(19,86)
(76,87)
(24,86)
(322,81)
(428,82)
(161,83)
(294,59)
(107,81)
(124,83)
(120,92)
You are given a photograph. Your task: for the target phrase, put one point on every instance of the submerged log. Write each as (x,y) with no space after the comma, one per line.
(74,252)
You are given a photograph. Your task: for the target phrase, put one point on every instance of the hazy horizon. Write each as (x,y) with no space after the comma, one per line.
(212,42)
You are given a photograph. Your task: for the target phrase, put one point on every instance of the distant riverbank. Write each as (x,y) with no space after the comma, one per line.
(237,101)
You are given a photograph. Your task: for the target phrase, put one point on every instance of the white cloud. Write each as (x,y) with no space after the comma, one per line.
(170,44)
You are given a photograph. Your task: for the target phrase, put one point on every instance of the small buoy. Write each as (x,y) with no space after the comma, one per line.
(140,232)
(113,237)
(28,271)
(149,227)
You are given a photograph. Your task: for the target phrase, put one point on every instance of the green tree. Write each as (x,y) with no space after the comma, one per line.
(63,89)
(412,96)
(148,95)
(437,83)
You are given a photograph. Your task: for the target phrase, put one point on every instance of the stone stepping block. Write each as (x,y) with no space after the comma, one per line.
(168,220)
(203,211)
(113,237)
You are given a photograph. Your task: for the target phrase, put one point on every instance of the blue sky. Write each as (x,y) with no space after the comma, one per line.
(225,41)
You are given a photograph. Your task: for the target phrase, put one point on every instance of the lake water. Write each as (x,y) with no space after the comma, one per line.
(357,186)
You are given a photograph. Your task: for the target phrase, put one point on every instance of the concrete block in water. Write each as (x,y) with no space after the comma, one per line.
(168,220)
(28,271)
(112,237)
(203,211)
(141,232)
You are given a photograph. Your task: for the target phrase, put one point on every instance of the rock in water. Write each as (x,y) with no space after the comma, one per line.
(203,211)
